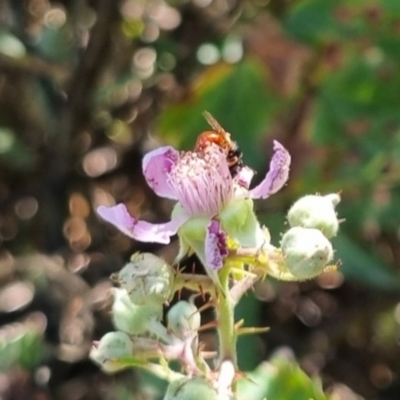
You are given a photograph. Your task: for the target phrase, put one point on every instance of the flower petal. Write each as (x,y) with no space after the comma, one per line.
(277,175)
(140,230)
(156,165)
(194,233)
(215,245)
(244,177)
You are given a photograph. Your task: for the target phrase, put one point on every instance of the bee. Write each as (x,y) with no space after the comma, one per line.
(223,140)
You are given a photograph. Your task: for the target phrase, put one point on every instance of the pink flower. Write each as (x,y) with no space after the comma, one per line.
(212,205)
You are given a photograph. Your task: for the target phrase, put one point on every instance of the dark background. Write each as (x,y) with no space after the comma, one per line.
(88,87)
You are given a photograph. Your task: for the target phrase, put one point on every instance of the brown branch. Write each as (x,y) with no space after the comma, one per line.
(90,68)
(33,65)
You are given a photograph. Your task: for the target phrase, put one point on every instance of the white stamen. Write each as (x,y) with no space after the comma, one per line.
(202,181)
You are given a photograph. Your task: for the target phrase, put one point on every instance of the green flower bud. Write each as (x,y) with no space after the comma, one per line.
(111,347)
(147,279)
(190,389)
(306,252)
(314,211)
(134,319)
(183,319)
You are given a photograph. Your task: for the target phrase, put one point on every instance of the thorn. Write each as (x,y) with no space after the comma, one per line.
(206,306)
(341,220)
(333,267)
(203,295)
(179,269)
(208,325)
(179,294)
(193,268)
(253,330)
(239,324)
(243,375)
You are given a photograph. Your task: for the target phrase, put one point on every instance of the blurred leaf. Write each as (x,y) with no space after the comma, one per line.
(11,46)
(312,21)
(274,219)
(21,347)
(392,7)
(150,380)
(319,22)
(55,44)
(279,380)
(248,353)
(13,151)
(390,44)
(111,93)
(355,92)
(359,265)
(237,96)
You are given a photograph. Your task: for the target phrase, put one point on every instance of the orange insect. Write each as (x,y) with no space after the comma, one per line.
(223,140)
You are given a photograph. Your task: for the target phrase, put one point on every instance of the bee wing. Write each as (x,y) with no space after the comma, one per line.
(213,123)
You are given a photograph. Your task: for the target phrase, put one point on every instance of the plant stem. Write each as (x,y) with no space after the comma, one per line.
(194,282)
(226,325)
(162,372)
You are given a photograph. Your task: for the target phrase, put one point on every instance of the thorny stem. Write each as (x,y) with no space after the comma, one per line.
(194,283)
(242,287)
(224,308)
(254,257)
(266,261)
(162,372)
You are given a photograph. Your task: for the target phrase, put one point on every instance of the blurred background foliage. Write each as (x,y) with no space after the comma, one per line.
(88,86)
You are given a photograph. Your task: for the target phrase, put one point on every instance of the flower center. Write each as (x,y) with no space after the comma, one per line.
(202,181)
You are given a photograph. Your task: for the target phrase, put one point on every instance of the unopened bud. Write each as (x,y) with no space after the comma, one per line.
(183,319)
(190,389)
(134,319)
(306,252)
(112,347)
(147,279)
(314,211)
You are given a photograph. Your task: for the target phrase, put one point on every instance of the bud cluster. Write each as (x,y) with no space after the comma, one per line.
(306,247)
(147,283)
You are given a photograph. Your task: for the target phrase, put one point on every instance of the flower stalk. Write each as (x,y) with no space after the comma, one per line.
(214,218)
(224,308)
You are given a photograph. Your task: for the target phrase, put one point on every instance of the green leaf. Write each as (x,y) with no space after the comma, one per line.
(55,44)
(13,151)
(280,379)
(20,347)
(320,22)
(248,352)
(149,380)
(312,21)
(392,7)
(356,105)
(359,265)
